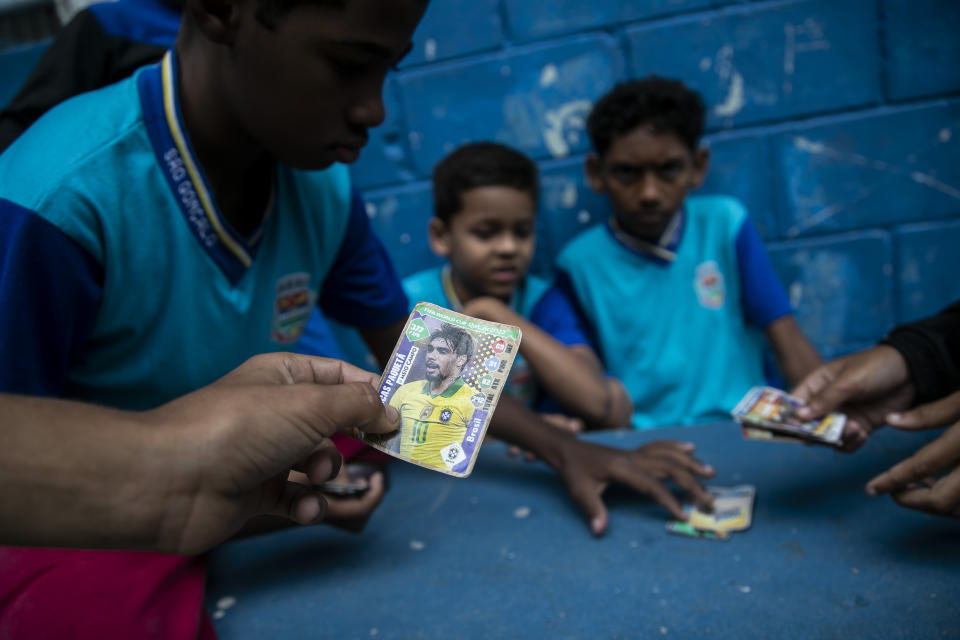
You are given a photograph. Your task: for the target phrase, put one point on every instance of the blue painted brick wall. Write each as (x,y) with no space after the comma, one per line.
(837,122)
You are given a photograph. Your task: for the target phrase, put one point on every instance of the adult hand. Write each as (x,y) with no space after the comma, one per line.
(866,386)
(588,469)
(913,483)
(240,437)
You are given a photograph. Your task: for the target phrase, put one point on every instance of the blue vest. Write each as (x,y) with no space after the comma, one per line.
(184,298)
(673,332)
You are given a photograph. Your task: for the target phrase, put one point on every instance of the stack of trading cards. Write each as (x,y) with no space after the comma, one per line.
(770,414)
(445,377)
(732,511)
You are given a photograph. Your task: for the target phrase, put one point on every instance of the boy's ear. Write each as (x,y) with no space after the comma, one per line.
(701,162)
(218,20)
(594,172)
(439,236)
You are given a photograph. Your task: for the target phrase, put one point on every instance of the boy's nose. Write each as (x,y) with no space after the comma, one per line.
(507,243)
(368,111)
(649,189)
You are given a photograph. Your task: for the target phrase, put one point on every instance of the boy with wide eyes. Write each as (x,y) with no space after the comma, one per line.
(485,204)
(678,291)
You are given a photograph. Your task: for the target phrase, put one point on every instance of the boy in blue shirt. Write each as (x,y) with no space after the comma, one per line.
(158,232)
(485,203)
(677,291)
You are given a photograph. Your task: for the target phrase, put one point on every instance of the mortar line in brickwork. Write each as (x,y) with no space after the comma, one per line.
(847,235)
(505,29)
(838,116)
(895,260)
(884,53)
(616,28)
(488,55)
(393,189)
(680,17)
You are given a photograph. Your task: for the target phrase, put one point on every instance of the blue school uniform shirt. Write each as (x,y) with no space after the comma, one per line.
(121,283)
(533,299)
(680,322)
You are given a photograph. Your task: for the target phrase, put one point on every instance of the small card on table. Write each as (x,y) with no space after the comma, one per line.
(732,511)
(445,377)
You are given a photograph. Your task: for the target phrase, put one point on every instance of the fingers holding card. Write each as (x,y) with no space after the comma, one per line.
(771,414)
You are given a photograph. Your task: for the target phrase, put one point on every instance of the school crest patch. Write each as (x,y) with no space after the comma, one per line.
(291,307)
(709,284)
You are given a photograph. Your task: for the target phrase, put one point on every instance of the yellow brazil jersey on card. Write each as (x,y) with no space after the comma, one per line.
(432,422)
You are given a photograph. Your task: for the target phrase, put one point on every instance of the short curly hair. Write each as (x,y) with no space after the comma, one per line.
(665,105)
(480,164)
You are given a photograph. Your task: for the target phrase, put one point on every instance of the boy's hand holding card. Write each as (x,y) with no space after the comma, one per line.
(770,414)
(445,377)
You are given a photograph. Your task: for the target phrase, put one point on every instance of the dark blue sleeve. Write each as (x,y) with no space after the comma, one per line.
(362,289)
(151,21)
(559,313)
(49,294)
(318,339)
(764,298)
(559,316)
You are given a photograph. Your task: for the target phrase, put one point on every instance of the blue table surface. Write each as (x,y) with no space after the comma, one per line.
(452,558)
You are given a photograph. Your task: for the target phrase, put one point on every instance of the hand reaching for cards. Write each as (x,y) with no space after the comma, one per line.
(914,482)
(558,420)
(866,386)
(272,413)
(588,469)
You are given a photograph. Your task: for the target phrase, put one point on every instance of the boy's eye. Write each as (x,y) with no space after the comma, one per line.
(670,171)
(484,233)
(349,67)
(625,174)
(523,231)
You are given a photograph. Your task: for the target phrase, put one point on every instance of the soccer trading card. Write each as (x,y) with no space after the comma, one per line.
(686,529)
(732,509)
(445,377)
(775,410)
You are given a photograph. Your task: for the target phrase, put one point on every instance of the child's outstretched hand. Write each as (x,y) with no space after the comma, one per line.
(563,422)
(588,469)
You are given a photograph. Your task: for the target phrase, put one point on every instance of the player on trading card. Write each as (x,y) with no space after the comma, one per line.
(434,411)
(459,365)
